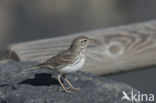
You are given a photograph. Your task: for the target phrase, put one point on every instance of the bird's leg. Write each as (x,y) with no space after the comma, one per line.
(72,87)
(59,79)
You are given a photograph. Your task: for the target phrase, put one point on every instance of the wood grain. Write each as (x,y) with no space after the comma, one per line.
(117,49)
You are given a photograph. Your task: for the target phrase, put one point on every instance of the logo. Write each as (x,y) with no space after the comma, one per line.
(137,97)
(125,96)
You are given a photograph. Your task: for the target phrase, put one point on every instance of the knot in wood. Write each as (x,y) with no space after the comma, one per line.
(114,49)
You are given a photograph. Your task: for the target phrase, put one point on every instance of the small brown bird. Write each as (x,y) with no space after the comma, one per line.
(68,61)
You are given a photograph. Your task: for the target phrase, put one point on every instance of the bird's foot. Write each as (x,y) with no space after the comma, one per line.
(78,89)
(67,91)
(73,88)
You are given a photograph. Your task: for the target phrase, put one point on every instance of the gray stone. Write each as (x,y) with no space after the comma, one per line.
(41,86)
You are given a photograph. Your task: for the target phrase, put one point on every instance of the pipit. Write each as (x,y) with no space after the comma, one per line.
(68,61)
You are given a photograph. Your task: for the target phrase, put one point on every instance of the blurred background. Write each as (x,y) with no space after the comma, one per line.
(24,20)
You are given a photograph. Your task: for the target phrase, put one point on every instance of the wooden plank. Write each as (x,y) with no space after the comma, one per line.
(118,49)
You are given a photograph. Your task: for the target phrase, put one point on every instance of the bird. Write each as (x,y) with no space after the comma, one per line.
(67,61)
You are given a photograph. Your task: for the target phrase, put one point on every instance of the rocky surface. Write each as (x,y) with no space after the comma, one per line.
(41,86)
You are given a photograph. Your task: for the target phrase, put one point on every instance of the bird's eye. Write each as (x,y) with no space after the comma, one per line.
(85,40)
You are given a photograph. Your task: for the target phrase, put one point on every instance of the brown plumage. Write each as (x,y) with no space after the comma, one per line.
(67,61)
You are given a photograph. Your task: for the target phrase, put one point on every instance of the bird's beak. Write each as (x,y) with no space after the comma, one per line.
(92,40)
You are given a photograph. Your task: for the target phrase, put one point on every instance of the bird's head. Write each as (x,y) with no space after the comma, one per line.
(81,42)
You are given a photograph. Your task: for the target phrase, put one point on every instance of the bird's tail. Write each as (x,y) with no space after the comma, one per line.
(30,68)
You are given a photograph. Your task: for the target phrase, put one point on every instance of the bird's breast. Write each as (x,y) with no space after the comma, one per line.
(73,67)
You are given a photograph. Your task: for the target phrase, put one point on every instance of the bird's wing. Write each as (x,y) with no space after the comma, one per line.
(64,58)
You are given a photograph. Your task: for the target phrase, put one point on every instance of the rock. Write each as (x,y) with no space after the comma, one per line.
(41,86)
